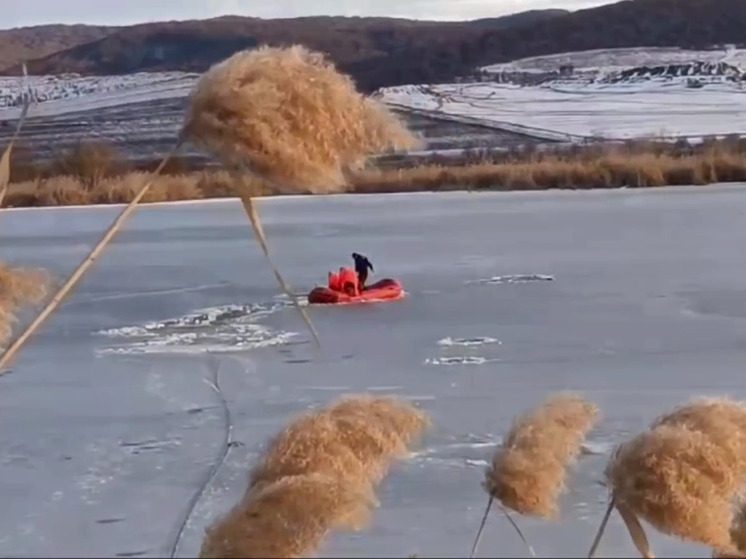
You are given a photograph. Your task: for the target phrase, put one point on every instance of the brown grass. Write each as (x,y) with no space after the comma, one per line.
(287,518)
(528,471)
(89,162)
(291,117)
(69,190)
(19,287)
(680,480)
(604,170)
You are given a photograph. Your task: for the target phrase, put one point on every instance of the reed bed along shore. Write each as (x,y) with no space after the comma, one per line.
(609,170)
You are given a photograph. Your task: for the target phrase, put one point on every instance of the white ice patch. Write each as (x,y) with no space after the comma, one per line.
(468,342)
(464,451)
(197,344)
(326,388)
(384,388)
(516,278)
(476,451)
(458,360)
(454,448)
(231,328)
(477,463)
(597,448)
(151,293)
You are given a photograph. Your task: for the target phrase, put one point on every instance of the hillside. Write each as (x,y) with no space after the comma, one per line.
(376,51)
(520,19)
(670,66)
(611,94)
(383,52)
(29,43)
(630,23)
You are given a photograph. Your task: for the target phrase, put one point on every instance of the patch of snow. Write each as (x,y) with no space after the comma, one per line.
(576,112)
(620,58)
(468,342)
(609,94)
(54,95)
(231,328)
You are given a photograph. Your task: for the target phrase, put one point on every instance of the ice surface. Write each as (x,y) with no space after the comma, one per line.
(102,454)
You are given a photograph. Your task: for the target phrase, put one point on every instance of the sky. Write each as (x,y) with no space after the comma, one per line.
(17,13)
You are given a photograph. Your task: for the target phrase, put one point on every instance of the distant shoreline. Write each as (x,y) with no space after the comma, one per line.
(95,177)
(290,197)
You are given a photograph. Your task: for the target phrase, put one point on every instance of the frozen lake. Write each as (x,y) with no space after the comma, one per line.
(109,427)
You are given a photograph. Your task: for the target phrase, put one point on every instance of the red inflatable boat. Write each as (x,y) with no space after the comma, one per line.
(384,290)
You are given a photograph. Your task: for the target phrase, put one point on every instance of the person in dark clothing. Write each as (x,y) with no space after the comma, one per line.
(361,268)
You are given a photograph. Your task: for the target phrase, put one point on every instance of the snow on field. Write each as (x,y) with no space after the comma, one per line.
(613,111)
(612,93)
(54,95)
(610,59)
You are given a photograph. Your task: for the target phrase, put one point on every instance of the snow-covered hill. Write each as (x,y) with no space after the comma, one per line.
(611,112)
(610,94)
(690,68)
(616,94)
(61,94)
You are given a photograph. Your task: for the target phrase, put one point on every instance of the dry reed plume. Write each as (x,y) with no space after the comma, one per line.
(18,287)
(317,475)
(291,117)
(355,438)
(528,470)
(377,430)
(311,444)
(683,474)
(287,518)
(680,481)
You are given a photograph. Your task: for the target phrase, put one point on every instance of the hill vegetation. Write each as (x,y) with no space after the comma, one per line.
(29,43)
(380,52)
